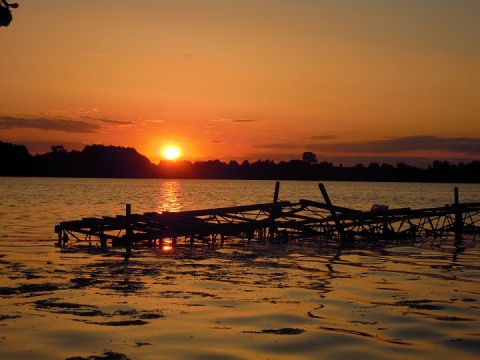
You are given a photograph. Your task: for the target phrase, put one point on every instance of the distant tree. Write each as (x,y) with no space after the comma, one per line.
(14,160)
(211,169)
(116,162)
(387,172)
(58,148)
(387,167)
(233,170)
(309,157)
(294,169)
(374,166)
(406,172)
(263,169)
(472,172)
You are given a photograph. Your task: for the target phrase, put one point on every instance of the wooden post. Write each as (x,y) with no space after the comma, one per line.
(334,214)
(273,212)
(458,226)
(59,243)
(59,231)
(103,240)
(277,189)
(128,213)
(128,231)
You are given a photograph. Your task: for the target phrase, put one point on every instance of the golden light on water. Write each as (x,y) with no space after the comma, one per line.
(167,247)
(169,196)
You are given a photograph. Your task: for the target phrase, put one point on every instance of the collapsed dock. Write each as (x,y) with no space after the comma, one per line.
(276,221)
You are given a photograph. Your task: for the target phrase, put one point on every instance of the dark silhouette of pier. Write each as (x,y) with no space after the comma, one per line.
(278,221)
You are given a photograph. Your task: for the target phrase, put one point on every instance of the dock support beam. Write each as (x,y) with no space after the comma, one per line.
(277,190)
(274,212)
(339,227)
(128,231)
(458,225)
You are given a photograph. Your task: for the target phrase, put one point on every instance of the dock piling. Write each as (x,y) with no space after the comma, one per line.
(128,230)
(274,211)
(277,190)
(339,227)
(458,225)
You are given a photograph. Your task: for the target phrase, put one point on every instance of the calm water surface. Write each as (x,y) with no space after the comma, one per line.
(304,300)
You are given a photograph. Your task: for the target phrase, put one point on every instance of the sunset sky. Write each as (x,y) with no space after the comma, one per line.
(351,81)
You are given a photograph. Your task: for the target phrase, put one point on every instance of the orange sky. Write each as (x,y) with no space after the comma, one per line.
(352,81)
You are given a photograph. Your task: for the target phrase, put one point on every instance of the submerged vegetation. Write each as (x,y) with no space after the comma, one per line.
(97,161)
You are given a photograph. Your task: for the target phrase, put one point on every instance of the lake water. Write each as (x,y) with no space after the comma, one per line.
(413,299)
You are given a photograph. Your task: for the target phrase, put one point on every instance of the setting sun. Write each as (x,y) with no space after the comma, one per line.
(171,152)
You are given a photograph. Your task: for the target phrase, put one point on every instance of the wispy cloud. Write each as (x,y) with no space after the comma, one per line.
(245,121)
(71,126)
(70,113)
(150,120)
(323,137)
(221,120)
(239,120)
(278,146)
(116,122)
(403,144)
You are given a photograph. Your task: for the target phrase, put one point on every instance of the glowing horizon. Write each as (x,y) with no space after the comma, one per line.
(352,82)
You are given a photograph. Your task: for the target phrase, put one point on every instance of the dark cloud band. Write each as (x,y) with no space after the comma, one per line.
(8,122)
(402,144)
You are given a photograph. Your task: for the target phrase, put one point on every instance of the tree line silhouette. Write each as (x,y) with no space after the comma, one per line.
(100,161)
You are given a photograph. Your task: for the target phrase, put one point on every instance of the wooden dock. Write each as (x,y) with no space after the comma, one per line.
(276,221)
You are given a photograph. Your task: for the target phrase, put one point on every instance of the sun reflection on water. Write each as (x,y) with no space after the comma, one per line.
(167,246)
(169,196)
